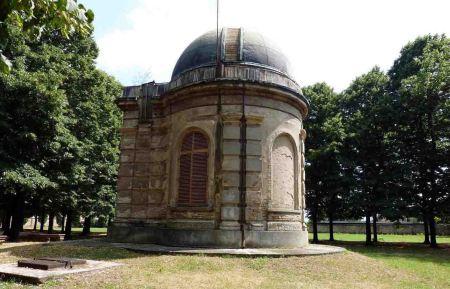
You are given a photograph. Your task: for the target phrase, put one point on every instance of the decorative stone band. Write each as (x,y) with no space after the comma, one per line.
(242,72)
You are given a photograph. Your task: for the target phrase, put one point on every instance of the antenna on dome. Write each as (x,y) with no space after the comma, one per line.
(217,41)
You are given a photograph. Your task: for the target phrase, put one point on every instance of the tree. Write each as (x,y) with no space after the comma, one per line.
(324,171)
(35,17)
(365,109)
(31,121)
(421,85)
(59,126)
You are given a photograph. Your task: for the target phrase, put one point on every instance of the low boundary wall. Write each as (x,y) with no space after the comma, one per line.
(383,228)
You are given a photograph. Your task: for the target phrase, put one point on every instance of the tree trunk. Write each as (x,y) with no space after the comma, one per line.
(375,229)
(35,222)
(330,220)
(17,216)
(368,232)
(68,231)
(315,235)
(51,218)
(42,221)
(87,226)
(432,223)
(63,220)
(6,222)
(426,230)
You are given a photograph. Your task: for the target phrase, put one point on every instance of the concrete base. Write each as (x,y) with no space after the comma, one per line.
(129,233)
(308,250)
(40,276)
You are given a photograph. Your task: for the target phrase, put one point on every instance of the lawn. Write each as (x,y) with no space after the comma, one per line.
(93,230)
(387,266)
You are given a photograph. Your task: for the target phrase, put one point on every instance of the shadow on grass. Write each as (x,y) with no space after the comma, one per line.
(67,249)
(395,250)
(101,251)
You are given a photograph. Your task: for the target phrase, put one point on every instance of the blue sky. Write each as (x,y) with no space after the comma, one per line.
(325,40)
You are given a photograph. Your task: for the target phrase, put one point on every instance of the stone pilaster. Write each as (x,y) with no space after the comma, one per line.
(230,173)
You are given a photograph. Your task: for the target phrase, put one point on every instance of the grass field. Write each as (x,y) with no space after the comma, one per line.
(93,230)
(392,265)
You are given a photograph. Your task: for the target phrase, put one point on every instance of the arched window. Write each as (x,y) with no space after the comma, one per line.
(193,175)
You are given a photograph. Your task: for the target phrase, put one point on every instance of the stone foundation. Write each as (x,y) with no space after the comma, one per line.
(130,233)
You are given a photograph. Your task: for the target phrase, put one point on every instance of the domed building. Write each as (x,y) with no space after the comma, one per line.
(215,157)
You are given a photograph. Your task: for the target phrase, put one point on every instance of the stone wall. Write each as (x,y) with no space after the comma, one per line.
(383,228)
(248,127)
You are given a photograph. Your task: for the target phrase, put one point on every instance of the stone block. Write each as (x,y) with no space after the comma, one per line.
(124,183)
(127,143)
(139,197)
(230,213)
(126,170)
(254,133)
(284,226)
(253,198)
(123,200)
(126,156)
(253,213)
(230,196)
(253,148)
(155,196)
(231,147)
(141,169)
(230,179)
(230,225)
(156,183)
(130,114)
(140,182)
(231,163)
(158,168)
(143,141)
(130,123)
(231,132)
(253,180)
(139,211)
(143,156)
(156,212)
(124,197)
(123,211)
(254,164)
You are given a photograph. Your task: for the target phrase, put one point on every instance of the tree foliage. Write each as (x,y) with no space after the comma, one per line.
(59,126)
(37,17)
(386,139)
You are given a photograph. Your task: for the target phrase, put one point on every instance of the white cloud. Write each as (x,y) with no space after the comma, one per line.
(332,41)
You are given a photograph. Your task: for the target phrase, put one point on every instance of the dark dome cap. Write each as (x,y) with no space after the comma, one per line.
(236,46)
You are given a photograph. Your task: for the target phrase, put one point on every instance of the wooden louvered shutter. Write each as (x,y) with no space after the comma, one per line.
(193,175)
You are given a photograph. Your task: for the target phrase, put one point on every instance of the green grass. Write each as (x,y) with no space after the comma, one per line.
(389,265)
(431,265)
(381,238)
(93,230)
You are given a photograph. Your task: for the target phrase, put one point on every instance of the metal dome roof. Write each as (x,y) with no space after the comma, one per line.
(236,46)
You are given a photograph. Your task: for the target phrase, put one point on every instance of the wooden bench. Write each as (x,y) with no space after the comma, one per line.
(3,238)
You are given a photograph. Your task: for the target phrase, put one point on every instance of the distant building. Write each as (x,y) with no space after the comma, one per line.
(215,157)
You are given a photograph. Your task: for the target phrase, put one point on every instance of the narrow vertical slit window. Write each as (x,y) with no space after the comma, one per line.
(193,173)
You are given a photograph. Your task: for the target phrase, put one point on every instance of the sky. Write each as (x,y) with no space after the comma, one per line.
(325,40)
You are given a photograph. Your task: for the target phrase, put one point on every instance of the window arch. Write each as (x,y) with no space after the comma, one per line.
(193,170)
